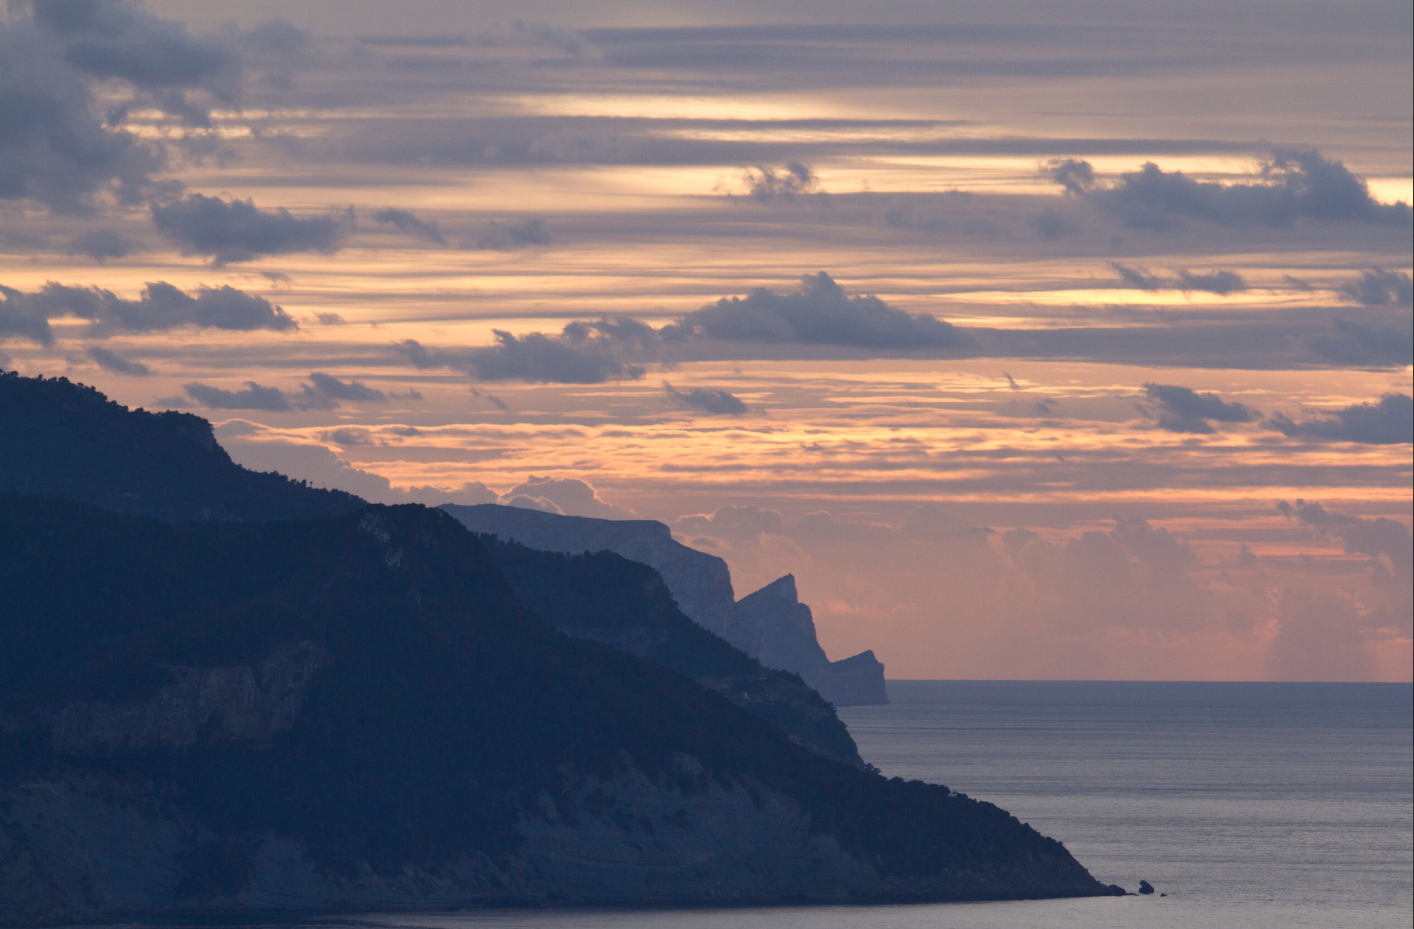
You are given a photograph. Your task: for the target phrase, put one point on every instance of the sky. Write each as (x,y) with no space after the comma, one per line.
(1052,340)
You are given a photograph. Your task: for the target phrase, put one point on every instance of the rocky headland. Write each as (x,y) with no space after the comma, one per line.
(771,625)
(221,712)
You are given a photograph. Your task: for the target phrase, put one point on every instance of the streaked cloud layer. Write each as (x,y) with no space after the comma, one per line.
(1006,335)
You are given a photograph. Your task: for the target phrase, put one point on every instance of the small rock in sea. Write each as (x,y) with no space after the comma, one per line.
(1145,887)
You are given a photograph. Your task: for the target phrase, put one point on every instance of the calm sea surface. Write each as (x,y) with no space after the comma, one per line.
(1272,806)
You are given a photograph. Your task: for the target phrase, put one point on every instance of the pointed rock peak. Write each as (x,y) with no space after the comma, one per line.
(782,588)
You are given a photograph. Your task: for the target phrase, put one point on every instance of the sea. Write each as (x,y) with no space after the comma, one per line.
(1245,805)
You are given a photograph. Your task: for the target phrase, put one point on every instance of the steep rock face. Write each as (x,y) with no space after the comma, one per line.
(780,631)
(779,628)
(771,625)
(854,681)
(356,712)
(700,583)
(222,704)
(607,598)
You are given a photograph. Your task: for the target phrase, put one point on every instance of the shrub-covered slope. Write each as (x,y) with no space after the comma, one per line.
(65,439)
(70,441)
(356,712)
(607,598)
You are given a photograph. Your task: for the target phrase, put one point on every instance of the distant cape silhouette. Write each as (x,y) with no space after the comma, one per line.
(771,625)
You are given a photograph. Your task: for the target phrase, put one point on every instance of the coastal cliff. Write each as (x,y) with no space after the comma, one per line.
(700,583)
(356,712)
(768,625)
(780,631)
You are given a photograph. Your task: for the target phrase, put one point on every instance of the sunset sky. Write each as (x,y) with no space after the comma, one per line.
(1038,339)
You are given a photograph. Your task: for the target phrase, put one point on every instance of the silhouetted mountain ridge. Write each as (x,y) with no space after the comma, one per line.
(69,440)
(393,728)
(73,442)
(222,711)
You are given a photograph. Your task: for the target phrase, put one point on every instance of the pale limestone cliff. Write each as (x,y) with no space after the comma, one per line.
(771,625)
(780,631)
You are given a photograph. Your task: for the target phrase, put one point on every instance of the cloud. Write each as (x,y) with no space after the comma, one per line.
(160,307)
(54,149)
(585,352)
(505,237)
(1320,638)
(1294,184)
(766,184)
(709,400)
(99,244)
(330,319)
(735,523)
(1360,344)
(250,446)
(1217,282)
(252,397)
(490,398)
(523,34)
(23,316)
(1387,422)
(1134,575)
(350,436)
(1373,537)
(566,495)
(59,147)
(237,231)
(321,392)
(116,364)
(819,312)
(405,221)
(113,39)
(418,356)
(1135,278)
(1186,410)
(1384,607)
(1377,287)
(1052,225)
(277,49)
(325,392)
(539,358)
(1075,175)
